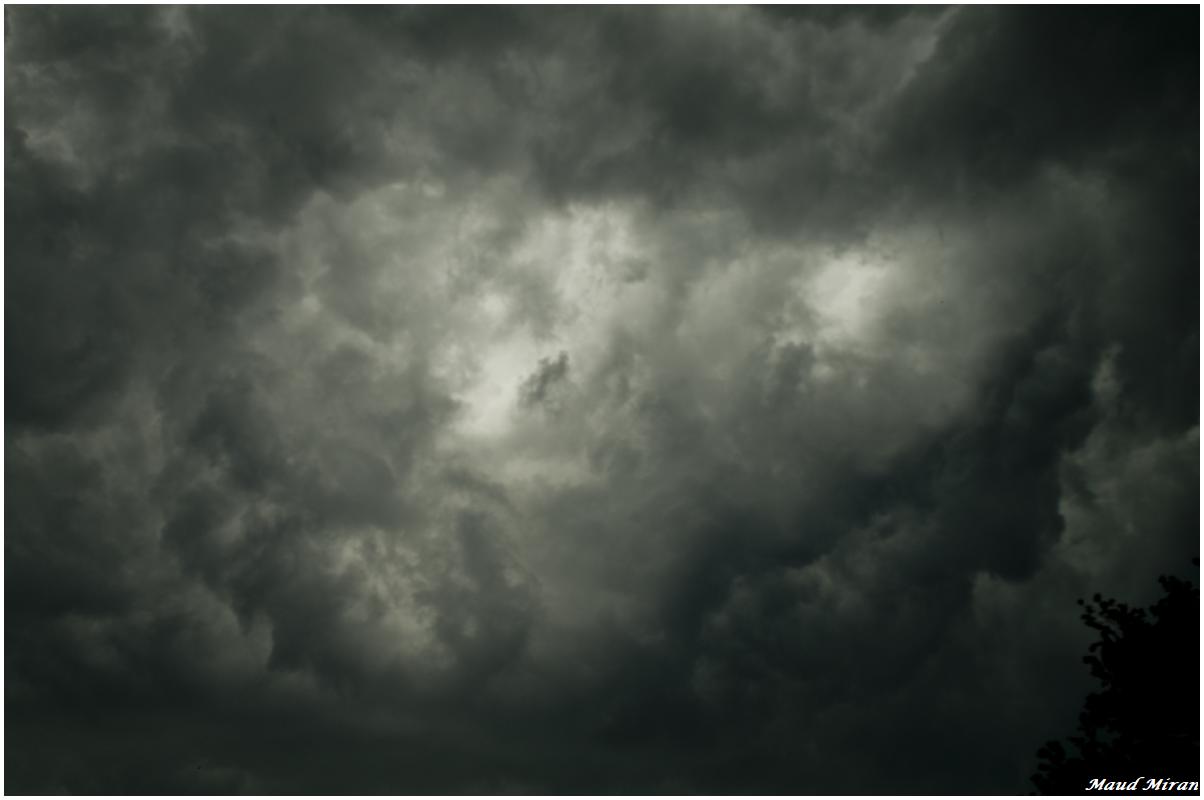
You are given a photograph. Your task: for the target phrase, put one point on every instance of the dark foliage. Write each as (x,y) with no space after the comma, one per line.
(1144,721)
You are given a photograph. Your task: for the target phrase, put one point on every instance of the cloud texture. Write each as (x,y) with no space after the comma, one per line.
(586,399)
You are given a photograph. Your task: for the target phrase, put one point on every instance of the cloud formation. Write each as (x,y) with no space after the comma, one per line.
(610,400)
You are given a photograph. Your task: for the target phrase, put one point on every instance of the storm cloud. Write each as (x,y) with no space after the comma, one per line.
(633,399)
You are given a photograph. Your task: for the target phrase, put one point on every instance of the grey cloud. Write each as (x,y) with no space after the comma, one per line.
(536,388)
(632,400)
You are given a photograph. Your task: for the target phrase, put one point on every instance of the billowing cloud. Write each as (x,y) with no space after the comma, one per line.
(634,400)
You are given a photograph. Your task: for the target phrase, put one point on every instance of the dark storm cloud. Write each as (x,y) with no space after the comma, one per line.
(653,400)
(537,388)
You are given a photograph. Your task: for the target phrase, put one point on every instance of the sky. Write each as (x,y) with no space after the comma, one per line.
(608,400)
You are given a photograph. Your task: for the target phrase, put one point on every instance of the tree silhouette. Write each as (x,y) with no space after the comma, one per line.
(1144,722)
